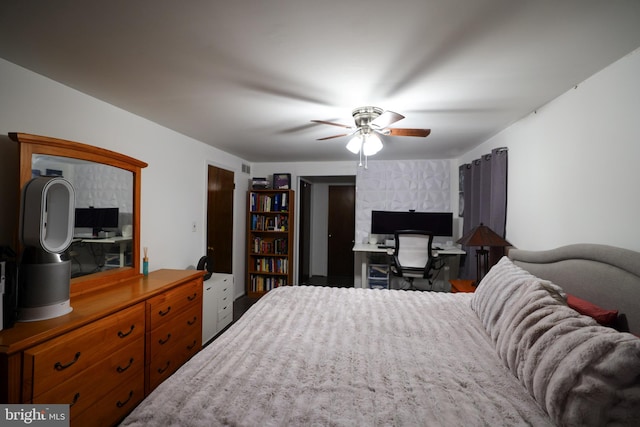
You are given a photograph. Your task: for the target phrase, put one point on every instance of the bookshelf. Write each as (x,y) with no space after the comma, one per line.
(270,227)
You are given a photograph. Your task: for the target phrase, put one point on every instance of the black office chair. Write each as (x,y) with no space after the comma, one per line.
(413,256)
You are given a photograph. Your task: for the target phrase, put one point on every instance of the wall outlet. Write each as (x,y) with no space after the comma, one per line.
(194,227)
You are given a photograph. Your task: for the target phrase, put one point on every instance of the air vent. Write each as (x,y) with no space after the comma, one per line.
(246,168)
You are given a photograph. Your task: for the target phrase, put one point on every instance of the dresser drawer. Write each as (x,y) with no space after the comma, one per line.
(166,335)
(225,310)
(225,302)
(174,343)
(114,405)
(224,319)
(165,364)
(164,307)
(225,298)
(92,384)
(61,358)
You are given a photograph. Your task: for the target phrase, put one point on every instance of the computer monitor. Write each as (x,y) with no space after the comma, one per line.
(387,222)
(96,218)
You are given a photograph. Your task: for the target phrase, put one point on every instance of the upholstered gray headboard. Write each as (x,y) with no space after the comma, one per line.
(605,275)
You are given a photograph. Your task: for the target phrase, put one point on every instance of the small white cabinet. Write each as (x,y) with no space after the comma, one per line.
(217,307)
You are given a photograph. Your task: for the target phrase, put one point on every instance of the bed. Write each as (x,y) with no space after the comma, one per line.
(512,353)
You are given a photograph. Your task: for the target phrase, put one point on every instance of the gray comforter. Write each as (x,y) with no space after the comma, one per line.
(329,356)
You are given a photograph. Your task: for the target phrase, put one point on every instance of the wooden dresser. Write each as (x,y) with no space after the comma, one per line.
(174,330)
(105,356)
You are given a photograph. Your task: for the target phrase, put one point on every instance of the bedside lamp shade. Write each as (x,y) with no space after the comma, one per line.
(482,236)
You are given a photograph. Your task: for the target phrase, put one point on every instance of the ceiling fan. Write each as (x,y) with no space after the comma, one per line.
(371,120)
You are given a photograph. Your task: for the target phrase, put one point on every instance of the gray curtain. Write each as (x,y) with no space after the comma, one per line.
(484,197)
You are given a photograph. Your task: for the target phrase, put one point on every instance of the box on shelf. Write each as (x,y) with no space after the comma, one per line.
(260,183)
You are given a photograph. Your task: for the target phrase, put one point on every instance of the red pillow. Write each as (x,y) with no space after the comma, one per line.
(602,316)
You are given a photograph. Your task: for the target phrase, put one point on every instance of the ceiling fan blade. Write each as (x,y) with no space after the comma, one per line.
(331,123)
(407,132)
(385,119)
(331,137)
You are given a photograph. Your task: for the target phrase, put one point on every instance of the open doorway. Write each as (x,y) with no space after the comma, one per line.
(315,244)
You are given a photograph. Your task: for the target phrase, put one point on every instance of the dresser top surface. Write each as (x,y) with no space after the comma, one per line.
(91,306)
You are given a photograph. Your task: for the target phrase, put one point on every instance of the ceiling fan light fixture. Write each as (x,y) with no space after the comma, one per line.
(371,145)
(355,143)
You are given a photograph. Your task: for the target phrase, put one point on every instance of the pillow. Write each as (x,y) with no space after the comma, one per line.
(579,372)
(602,316)
(502,293)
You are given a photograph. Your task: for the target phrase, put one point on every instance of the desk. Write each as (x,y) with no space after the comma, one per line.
(118,240)
(362,250)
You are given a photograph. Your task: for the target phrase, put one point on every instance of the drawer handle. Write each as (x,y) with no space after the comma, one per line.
(126,334)
(192,322)
(164,313)
(162,370)
(192,297)
(121,404)
(161,341)
(190,347)
(60,367)
(120,369)
(76,397)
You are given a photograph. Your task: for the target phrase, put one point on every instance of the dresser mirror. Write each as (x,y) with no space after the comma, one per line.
(106,243)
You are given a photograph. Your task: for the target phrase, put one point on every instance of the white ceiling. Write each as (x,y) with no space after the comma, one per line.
(247,76)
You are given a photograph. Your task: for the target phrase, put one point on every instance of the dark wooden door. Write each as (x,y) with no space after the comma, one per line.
(342,202)
(304,229)
(220,219)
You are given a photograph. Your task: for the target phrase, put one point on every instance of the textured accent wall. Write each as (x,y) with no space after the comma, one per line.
(103,186)
(401,185)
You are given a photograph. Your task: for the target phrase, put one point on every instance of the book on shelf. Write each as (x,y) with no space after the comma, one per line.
(278,222)
(269,246)
(277,202)
(265,283)
(272,265)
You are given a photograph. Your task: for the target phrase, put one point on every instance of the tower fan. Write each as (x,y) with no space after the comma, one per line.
(46,231)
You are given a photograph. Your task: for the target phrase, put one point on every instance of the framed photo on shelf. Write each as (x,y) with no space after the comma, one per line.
(281,181)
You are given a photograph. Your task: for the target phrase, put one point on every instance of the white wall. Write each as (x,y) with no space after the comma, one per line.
(401,185)
(173,185)
(573,165)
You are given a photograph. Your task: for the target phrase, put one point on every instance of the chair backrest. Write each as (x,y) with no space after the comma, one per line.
(413,248)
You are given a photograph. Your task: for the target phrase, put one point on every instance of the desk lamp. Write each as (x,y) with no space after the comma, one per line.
(482,236)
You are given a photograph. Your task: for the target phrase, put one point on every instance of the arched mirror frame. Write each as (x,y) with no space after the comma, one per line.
(34,144)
